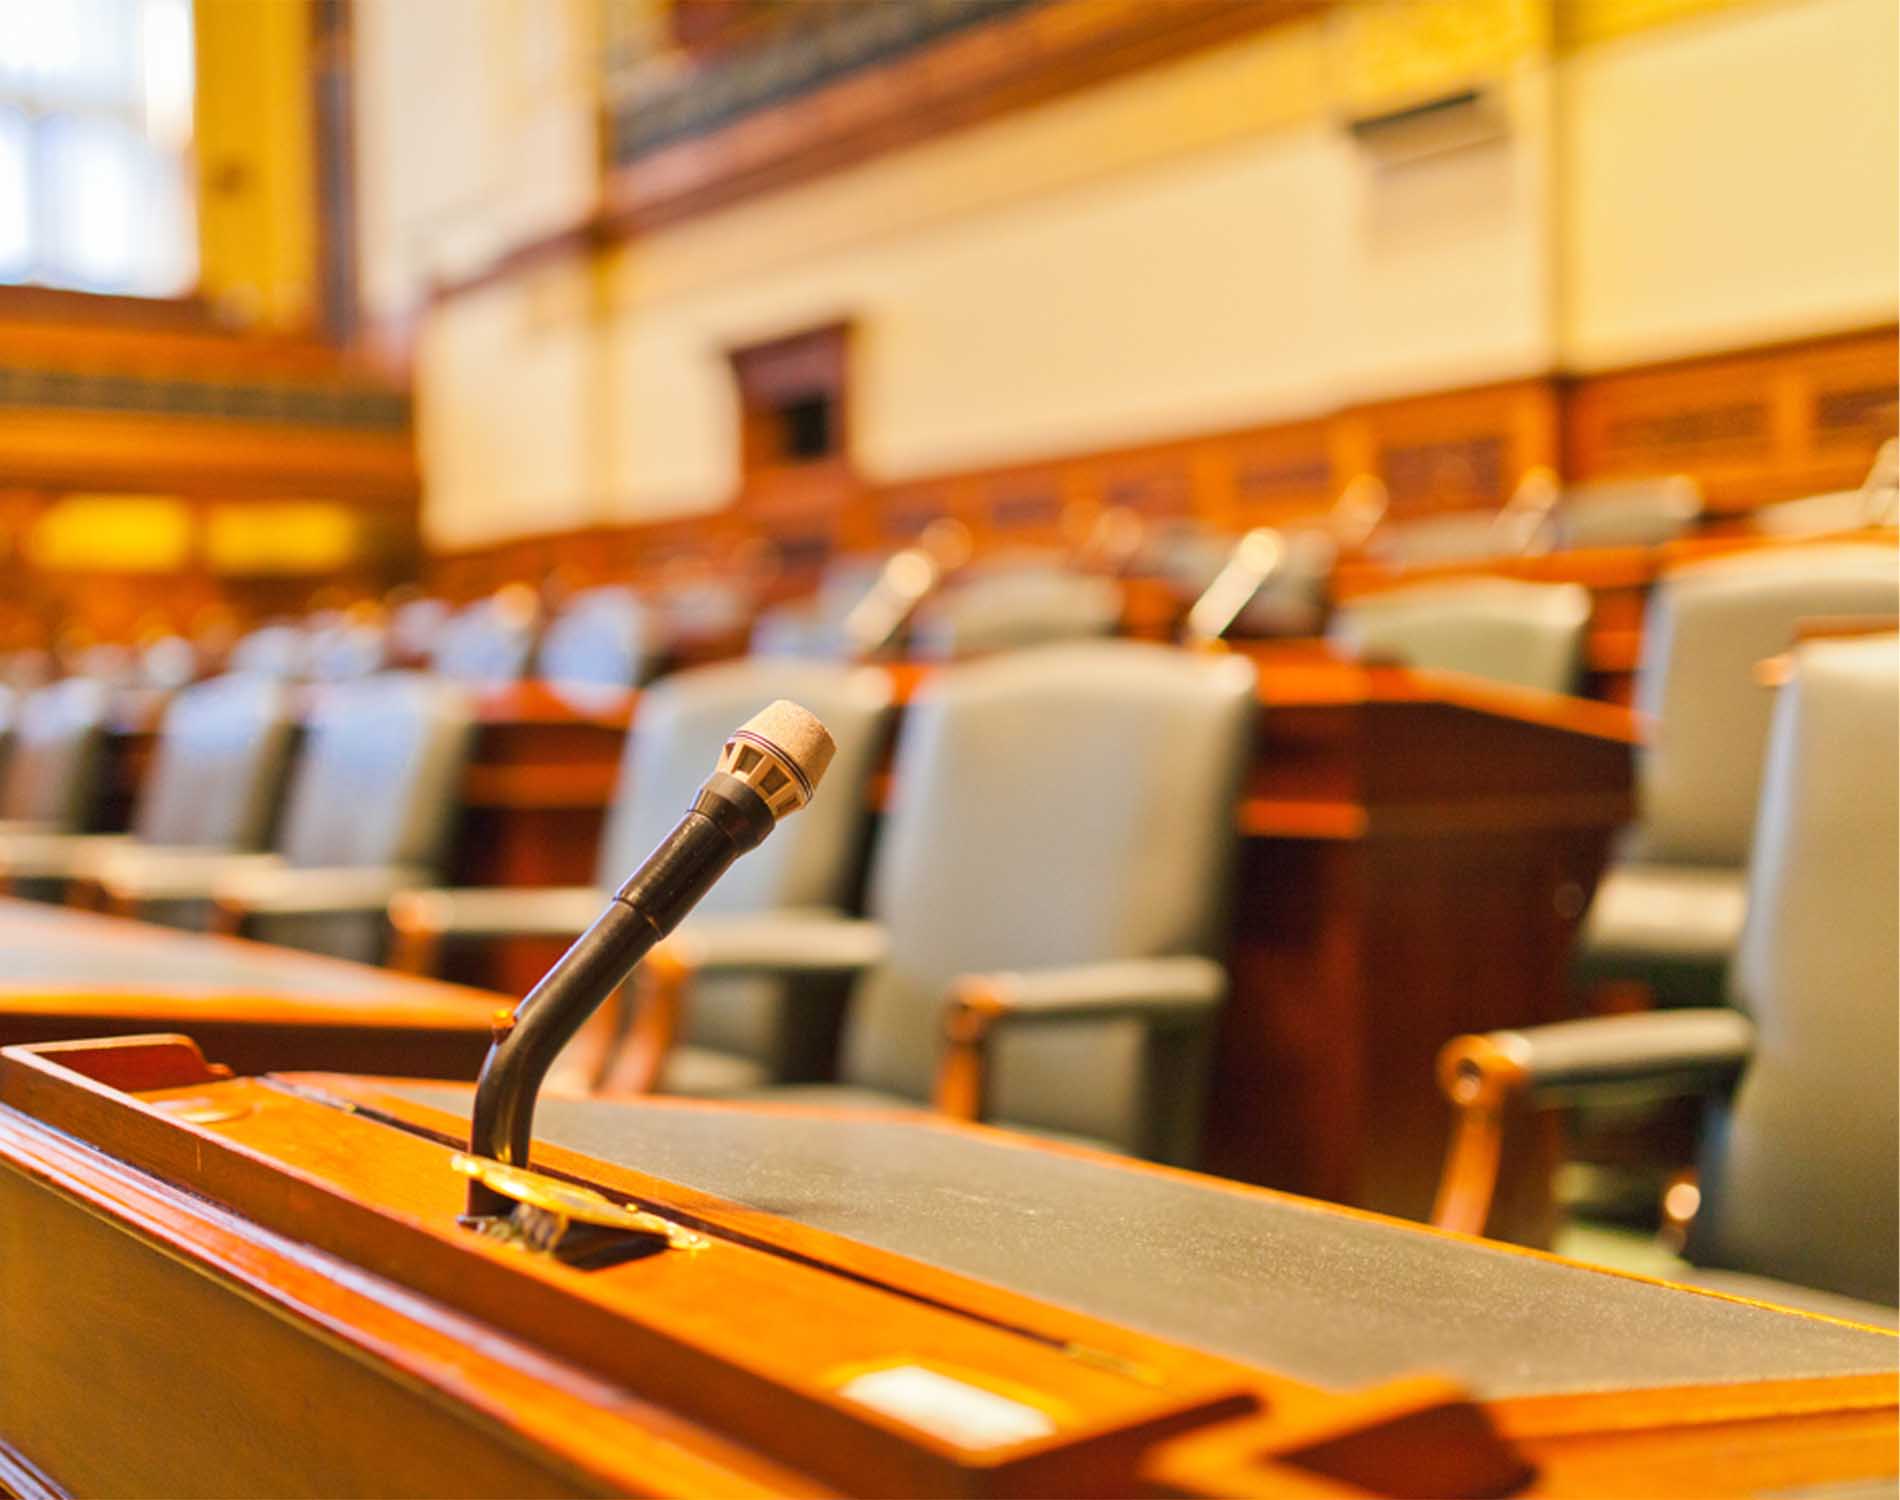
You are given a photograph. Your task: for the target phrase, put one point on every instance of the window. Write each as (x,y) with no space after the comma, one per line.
(95,145)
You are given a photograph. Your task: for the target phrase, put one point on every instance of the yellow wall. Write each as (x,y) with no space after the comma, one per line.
(1198,246)
(257,210)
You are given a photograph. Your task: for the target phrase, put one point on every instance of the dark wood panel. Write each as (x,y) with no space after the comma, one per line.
(1753,426)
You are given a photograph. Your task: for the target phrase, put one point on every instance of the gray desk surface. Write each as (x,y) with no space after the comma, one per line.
(1319,1295)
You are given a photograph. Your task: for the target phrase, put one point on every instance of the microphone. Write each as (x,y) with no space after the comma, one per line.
(768,769)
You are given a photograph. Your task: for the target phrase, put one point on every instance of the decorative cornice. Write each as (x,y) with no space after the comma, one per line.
(820,46)
(813,97)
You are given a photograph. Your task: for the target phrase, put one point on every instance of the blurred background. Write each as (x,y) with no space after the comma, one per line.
(309,301)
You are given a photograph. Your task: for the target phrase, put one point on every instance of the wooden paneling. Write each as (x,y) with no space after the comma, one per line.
(1751,427)
(1451,451)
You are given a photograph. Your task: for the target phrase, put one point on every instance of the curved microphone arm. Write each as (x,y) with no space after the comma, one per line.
(769,768)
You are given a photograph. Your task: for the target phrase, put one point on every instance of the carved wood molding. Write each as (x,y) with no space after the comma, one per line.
(1026,54)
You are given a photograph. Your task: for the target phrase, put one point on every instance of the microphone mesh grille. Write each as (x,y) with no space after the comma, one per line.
(794,737)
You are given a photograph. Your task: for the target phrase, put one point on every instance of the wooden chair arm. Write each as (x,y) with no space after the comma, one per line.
(963,1074)
(1480,1079)
(632,1061)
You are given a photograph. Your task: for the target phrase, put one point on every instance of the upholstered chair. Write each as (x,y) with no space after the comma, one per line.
(601,637)
(340,646)
(1797,1180)
(1628,512)
(1524,634)
(213,787)
(280,649)
(741,1030)
(814,628)
(1005,610)
(1669,911)
(490,641)
(53,769)
(369,811)
(1046,896)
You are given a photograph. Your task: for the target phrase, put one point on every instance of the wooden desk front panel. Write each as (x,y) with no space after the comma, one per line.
(339,1335)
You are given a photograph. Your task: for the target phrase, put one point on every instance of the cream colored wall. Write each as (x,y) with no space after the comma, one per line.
(507,413)
(1204,245)
(475,133)
(1196,246)
(1731,180)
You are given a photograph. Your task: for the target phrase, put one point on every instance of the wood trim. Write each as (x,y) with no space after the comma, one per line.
(25,303)
(975,74)
(577,241)
(22,1479)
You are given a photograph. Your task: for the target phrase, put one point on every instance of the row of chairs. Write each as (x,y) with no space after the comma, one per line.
(932,602)
(1102,776)
(1034,941)
(1666,916)
(301,820)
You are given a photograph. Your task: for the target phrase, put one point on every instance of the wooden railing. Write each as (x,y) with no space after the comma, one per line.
(238,472)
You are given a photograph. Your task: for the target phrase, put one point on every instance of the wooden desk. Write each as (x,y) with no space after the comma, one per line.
(1417,851)
(66,973)
(259,1286)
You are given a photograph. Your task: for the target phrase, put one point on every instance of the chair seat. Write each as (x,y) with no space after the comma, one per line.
(706,1072)
(1787,1294)
(1673,927)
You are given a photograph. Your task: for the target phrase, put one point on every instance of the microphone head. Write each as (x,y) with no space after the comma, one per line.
(781,752)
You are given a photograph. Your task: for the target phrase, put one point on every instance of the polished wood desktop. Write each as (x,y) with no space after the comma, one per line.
(259,1285)
(66,973)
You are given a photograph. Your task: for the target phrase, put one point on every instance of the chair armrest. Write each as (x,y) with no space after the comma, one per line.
(1676,1047)
(1481,1075)
(279,889)
(1181,991)
(792,940)
(498,911)
(43,855)
(1164,993)
(424,920)
(796,940)
(131,873)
